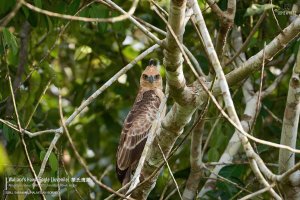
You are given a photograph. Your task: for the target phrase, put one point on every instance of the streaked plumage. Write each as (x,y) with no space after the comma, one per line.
(138,122)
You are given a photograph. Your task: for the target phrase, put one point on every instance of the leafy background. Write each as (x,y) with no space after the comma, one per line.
(84,57)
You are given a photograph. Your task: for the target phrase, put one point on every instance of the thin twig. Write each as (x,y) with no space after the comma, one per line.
(173,192)
(37,103)
(170,171)
(277,23)
(254,194)
(121,190)
(134,21)
(245,44)
(48,153)
(272,114)
(106,171)
(275,83)
(258,102)
(213,128)
(165,190)
(22,138)
(23,54)
(226,180)
(7,123)
(83,19)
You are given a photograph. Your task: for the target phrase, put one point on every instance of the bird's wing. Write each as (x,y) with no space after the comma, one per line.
(136,128)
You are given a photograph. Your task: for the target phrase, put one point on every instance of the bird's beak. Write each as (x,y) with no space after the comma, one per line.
(151,79)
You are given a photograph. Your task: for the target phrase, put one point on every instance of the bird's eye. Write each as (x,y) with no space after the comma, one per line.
(157,76)
(145,76)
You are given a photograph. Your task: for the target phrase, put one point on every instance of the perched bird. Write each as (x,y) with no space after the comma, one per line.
(138,122)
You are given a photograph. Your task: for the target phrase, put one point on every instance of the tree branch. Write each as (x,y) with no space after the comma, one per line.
(195,160)
(22,139)
(290,129)
(254,63)
(226,93)
(172,55)
(83,19)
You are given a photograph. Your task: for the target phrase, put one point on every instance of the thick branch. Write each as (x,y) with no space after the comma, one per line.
(172,56)
(226,24)
(254,63)
(290,120)
(195,160)
(226,94)
(290,129)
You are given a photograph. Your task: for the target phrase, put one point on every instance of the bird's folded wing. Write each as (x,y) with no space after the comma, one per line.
(136,128)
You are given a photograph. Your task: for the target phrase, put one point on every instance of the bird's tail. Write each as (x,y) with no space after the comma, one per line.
(123,175)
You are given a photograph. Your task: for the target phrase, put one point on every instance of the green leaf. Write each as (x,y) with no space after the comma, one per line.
(12,59)
(236,171)
(38,3)
(106,61)
(99,11)
(10,40)
(218,139)
(212,155)
(73,7)
(6,5)
(117,26)
(226,190)
(130,53)
(25,11)
(42,155)
(53,162)
(262,148)
(23,98)
(35,82)
(49,71)
(82,51)
(49,23)
(257,9)
(4,161)
(11,137)
(33,18)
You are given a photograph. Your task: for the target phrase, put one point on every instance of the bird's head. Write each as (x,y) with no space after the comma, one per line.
(151,78)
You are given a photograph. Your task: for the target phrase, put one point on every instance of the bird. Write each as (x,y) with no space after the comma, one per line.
(138,122)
